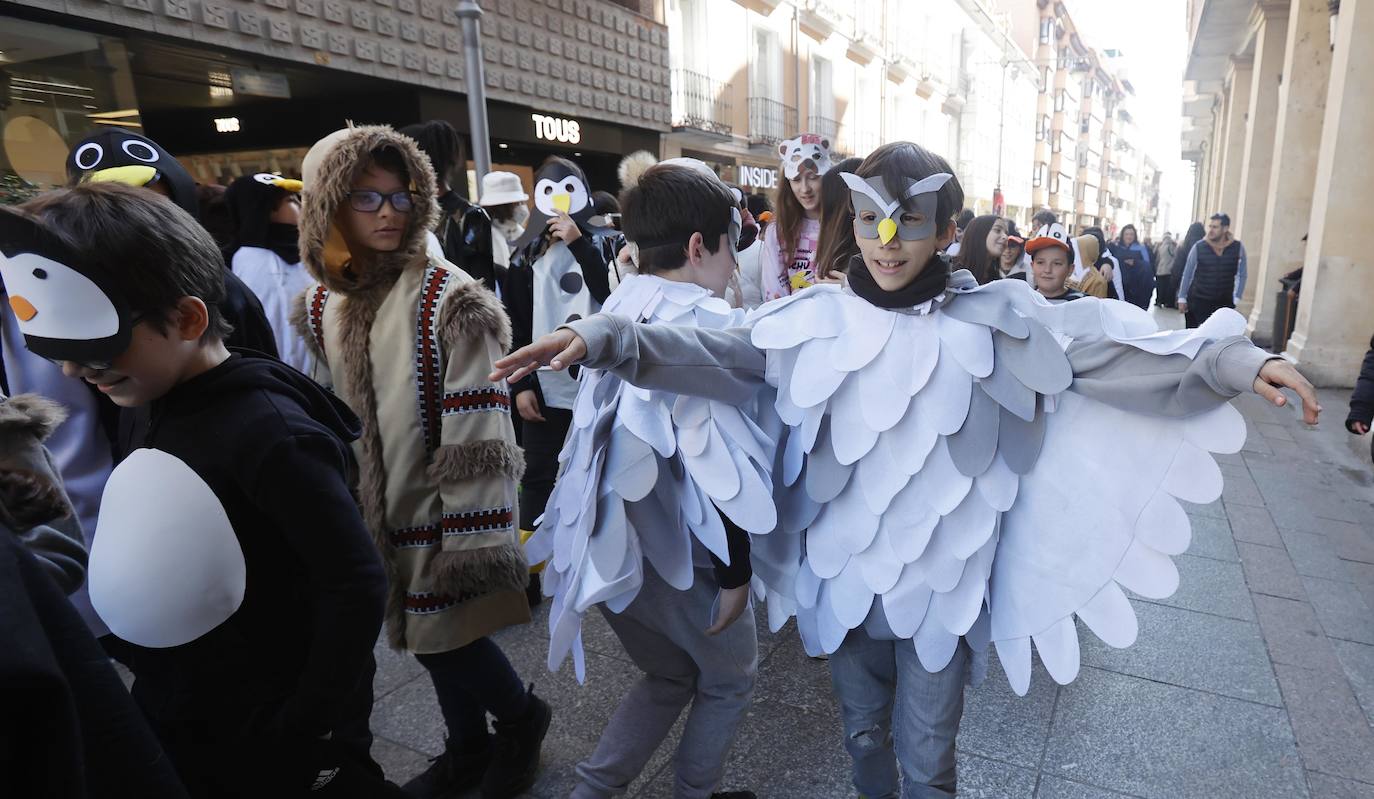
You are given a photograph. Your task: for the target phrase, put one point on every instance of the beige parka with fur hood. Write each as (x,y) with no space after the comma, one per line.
(407,342)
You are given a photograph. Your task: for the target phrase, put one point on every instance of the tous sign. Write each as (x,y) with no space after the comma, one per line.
(568,131)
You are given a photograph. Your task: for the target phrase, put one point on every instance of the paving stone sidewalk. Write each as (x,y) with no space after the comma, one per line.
(1256,679)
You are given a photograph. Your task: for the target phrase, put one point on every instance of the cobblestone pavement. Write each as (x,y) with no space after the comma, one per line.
(1256,679)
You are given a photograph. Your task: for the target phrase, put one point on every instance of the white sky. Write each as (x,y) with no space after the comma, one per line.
(1153,39)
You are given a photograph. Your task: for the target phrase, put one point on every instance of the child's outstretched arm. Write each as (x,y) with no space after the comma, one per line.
(721,365)
(1174,385)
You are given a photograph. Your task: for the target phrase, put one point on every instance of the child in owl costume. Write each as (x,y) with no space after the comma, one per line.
(920,490)
(558,274)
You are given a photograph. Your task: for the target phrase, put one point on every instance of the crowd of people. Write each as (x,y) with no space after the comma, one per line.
(371,404)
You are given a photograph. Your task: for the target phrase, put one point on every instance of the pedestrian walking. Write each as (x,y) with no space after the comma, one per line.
(506,203)
(1214,274)
(789,244)
(1195,233)
(265,253)
(980,252)
(961,223)
(1009,266)
(686,626)
(438,459)
(836,246)
(888,573)
(1137,270)
(1052,259)
(1164,265)
(231,560)
(463,236)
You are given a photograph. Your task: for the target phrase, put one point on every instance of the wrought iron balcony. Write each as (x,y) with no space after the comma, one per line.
(824,126)
(701,103)
(770,121)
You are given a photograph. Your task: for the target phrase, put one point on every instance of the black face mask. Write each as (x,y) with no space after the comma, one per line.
(926,286)
(284,240)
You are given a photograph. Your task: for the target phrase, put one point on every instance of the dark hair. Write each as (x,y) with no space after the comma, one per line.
(668,204)
(154,250)
(1019,244)
(901,162)
(215,214)
(605,203)
(758,203)
(973,249)
(1224,219)
(1042,218)
(1121,234)
(1012,230)
(836,243)
(965,217)
(438,140)
(387,159)
(1196,232)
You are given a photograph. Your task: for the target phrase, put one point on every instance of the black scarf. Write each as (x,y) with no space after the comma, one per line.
(284,240)
(927,285)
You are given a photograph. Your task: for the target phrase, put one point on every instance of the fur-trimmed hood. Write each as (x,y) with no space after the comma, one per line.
(328,172)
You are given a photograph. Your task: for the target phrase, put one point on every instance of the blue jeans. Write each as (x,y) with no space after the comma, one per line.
(471,682)
(889,702)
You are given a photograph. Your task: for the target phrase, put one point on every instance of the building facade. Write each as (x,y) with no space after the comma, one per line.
(747,74)
(1087,166)
(235,86)
(1277,120)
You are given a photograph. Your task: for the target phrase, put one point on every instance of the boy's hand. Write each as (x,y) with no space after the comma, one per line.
(731,602)
(528,405)
(1278,374)
(1182,306)
(559,349)
(563,227)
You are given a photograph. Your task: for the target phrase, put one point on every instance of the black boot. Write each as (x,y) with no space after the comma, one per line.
(515,756)
(452,773)
(734,795)
(534,592)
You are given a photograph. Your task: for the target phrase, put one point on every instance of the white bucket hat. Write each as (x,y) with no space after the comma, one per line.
(502,188)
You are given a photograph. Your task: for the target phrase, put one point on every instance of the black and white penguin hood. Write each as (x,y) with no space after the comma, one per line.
(122,157)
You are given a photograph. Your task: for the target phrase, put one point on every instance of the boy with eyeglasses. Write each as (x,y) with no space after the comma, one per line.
(407,339)
(230,555)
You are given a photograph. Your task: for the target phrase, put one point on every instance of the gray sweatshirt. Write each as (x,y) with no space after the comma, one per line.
(724,365)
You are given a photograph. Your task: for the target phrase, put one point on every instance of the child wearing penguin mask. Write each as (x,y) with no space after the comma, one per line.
(265,253)
(928,425)
(122,157)
(231,561)
(560,272)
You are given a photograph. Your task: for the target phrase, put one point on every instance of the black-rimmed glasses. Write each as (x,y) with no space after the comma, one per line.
(370,202)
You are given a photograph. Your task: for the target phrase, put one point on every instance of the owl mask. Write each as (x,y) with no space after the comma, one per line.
(871,195)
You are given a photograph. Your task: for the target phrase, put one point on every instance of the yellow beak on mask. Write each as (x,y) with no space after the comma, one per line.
(136,176)
(562,202)
(886,230)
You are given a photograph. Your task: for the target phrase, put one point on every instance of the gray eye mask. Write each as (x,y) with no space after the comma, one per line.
(871,195)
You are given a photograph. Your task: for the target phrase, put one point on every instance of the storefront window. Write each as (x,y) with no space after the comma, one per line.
(57,86)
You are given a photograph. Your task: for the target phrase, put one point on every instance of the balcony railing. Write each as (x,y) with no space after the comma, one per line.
(824,126)
(700,103)
(770,121)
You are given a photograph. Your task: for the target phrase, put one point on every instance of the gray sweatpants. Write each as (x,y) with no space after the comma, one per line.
(663,632)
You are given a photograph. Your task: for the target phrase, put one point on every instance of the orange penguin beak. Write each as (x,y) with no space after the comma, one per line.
(23,308)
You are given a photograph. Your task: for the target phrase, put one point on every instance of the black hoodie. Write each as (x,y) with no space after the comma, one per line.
(274,448)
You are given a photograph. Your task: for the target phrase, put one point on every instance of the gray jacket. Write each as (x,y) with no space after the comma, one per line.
(724,365)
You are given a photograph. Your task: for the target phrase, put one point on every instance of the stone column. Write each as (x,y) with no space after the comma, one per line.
(1238,89)
(1271,37)
(1334,319)
(1302,103)
(1218,154)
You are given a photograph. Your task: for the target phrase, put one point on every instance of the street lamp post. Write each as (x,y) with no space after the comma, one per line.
(470,16)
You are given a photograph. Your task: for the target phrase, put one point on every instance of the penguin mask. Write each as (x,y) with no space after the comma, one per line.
(559,187)
(122,157)
(68,308)
(878,216)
